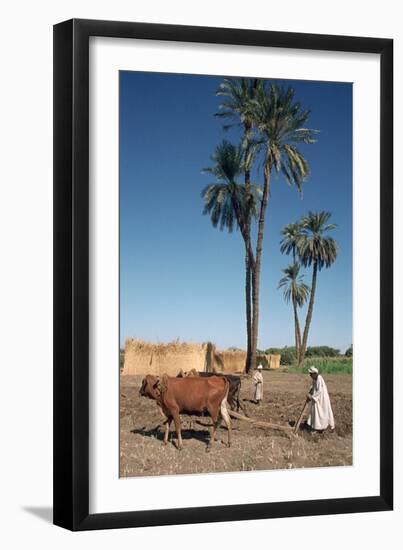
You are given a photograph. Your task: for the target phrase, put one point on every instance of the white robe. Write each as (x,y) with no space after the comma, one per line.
(258,381)
(321,410)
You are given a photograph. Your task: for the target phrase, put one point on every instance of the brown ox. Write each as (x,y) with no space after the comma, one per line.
(192,396)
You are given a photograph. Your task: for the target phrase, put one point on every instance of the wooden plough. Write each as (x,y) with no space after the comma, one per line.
(261,424)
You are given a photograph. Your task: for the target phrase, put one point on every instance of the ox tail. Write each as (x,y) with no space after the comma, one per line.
(224,411)
(239,404)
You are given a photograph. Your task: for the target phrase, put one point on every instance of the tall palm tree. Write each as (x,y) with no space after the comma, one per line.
(288,244)
(296,291)
(315,248)
(280,123)
(290,235)
(228,203)
(237,95)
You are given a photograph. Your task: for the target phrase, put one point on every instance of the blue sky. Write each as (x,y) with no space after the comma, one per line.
(180,277)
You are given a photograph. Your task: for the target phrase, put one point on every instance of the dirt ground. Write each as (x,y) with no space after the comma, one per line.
(142,452)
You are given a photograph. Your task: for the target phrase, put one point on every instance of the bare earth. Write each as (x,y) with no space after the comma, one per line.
(142,452)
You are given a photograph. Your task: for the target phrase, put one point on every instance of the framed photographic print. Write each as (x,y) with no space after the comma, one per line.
(223,320)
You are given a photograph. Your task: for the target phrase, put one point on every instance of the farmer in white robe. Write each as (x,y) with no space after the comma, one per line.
(258,382)
(321,414)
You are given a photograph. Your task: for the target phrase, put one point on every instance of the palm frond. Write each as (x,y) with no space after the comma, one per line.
(293,286)
(290,235)
(314,245)
(227,202)
(281,124)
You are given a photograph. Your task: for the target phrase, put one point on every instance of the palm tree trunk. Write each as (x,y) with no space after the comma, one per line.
(258,257)
(248,311)
(244,226)
(296,322)
(297,329)
(248,296)
(308,315)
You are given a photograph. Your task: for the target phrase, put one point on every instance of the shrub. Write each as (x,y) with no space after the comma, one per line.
(321,351)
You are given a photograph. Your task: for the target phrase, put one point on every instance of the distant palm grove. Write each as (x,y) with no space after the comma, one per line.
(273,124)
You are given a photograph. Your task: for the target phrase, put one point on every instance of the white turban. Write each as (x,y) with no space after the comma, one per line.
(313,370)
(259,367)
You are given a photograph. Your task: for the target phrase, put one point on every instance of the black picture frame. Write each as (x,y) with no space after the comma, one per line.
(71,274)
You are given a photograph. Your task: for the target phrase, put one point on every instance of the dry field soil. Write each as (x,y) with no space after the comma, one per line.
(142,452)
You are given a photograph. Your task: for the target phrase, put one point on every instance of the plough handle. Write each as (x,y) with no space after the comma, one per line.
(300,417)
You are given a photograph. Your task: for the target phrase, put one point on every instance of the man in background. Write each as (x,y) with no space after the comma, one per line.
(258,382)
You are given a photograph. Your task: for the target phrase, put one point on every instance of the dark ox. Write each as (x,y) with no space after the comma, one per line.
(192,396)
(234,381)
